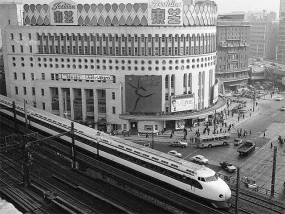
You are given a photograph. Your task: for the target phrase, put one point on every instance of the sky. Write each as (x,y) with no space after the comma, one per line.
(224,6)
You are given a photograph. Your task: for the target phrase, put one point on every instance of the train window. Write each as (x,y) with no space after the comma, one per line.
(120,146)
(155,158)
(196,184)
(136,152)
(164,162)
(145,155)
(128,149)
(174,165)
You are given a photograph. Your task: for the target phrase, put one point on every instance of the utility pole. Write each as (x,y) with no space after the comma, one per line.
(273,171)
(15,119)
(254,98)
(152,143)
(215,120)
(25,109)
(237,190)
(72,145)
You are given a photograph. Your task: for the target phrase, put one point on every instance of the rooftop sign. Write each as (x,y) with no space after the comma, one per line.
(63,12)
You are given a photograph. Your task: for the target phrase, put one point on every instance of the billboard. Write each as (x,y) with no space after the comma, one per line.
(165,12)
(85,77)
(143,93)
(63,12)
(183,102)
(215,92)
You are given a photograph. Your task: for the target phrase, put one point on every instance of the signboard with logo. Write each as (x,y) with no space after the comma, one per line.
(179,124)
(85,77)
(215,93)
(283,80)
(183,102)
(165,12)
(63,12)
(143,93)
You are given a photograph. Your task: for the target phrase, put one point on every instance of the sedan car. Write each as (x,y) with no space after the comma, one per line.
(200,159)
(179,144)
(283,108)
(228,166)
(279,98)
(175,153)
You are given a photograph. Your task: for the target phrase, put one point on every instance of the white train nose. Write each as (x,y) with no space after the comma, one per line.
(228,194)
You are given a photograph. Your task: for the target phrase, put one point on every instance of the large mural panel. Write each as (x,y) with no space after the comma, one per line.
(143,93)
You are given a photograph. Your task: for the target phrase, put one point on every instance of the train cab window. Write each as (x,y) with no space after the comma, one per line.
(201,179)
(211,178)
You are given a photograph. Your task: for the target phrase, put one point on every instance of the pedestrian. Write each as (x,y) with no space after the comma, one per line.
(244,134)
(220,130)
(190,129)
(250,114)
(271,145)
(146,136)
(264,134)
(238,118)
(243,116)
(171,135)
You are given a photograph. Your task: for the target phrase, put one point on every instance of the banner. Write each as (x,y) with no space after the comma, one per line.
(182,103)
(85,77)
(215,93)
(165,12)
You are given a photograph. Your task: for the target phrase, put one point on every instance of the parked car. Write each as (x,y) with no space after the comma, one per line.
(175,153)
(228,166)
(279,98)
(200,159)
(237,141)
(179,144)
(283,108)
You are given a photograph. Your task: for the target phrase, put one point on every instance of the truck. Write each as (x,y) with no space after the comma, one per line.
(246,148)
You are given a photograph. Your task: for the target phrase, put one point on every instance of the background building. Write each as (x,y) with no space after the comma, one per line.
(10,14)
(281,42)
(233,35)
(263,34)
(135,66)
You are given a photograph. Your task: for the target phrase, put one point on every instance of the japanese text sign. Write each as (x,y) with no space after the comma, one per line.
(165,12)
(63,12)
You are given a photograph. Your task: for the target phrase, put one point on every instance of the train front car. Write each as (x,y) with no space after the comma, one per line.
(215,190)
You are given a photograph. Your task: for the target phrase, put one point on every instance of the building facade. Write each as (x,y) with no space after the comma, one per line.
(10,14)
(233,34)
(116,66)
(263,34)
(281,42)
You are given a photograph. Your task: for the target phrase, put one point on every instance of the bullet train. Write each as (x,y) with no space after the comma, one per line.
(190,178)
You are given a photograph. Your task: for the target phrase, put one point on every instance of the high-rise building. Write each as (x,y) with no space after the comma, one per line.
(281,42)
(233,35)
(10,14)
(263,34)
(140,66)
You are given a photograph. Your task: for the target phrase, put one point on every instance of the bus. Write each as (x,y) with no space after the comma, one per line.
(212,140)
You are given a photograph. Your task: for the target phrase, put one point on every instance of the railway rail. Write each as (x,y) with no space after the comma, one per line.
(260,201)
(85,159)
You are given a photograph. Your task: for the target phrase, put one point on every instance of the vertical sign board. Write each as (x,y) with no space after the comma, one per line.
(215,93)
(283,80)
(63,12)
(165,12)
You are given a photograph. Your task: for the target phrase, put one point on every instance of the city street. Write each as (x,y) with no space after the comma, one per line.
(267,118)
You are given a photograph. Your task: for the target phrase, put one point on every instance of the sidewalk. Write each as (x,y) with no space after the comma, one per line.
(178,135)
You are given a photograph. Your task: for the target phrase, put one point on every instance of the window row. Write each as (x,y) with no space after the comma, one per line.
(110,61)
(17,92)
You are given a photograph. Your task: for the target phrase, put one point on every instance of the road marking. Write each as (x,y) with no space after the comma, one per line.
(191,153)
